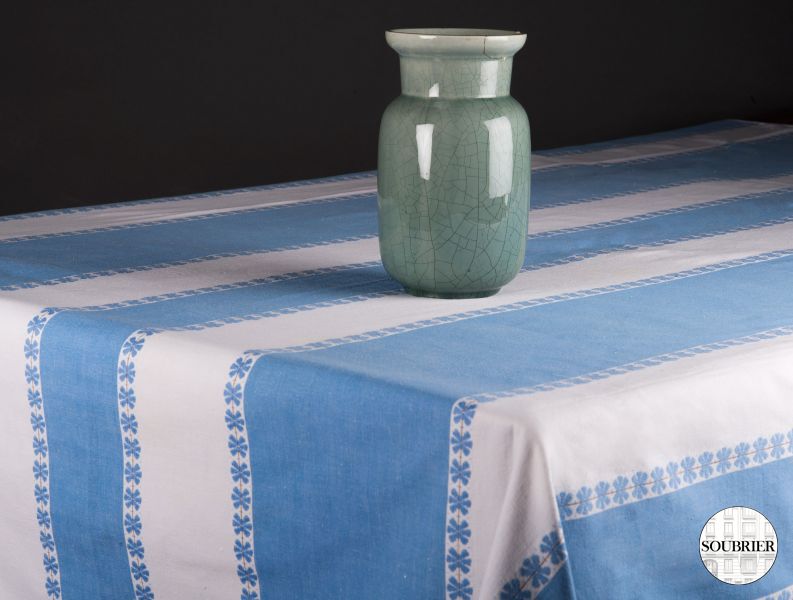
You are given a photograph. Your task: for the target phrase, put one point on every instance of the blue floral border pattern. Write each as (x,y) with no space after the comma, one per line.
(538,569)
(133,474)
(664,479)
(458,531)
(41,464)
(240,470)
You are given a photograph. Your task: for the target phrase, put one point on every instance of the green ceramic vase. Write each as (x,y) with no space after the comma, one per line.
(453,164)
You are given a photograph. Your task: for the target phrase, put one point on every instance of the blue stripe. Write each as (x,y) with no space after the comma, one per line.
(662,535)
(442,363)
(262,229)
(79,360)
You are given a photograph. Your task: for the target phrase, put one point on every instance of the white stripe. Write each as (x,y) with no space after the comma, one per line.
(648,150)
(128,214)
(529,448)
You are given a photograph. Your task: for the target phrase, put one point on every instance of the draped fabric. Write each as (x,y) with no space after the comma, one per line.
(225,396)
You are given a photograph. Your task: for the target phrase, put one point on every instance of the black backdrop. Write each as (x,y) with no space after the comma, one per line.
(114,100)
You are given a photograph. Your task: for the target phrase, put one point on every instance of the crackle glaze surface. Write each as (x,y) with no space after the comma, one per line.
(453,165)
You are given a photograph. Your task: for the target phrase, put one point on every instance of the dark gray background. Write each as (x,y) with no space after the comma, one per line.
(113,101)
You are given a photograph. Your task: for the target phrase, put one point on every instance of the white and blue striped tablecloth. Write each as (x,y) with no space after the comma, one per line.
(224,395)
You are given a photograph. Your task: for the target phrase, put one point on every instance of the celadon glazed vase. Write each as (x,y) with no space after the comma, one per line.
(453,164)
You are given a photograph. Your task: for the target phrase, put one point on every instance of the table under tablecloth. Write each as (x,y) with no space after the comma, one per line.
(224,395)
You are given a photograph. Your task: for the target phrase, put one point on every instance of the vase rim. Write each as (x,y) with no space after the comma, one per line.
(428,41)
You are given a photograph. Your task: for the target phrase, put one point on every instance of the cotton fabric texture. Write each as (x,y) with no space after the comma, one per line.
(224,396)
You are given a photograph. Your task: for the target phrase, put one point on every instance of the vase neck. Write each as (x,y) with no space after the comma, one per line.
(446,77)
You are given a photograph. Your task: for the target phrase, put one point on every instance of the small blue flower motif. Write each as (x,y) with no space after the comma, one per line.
(34,398)
(460,471)
(461,443)
(741,452)
(513,591)
(240,368)
(249,594)
(241,498)
(126,371)
(584,496)
(232,393)
(132,499)
(458,561)
(724,464)
(135,548)
(563,501)
(50,564)
(129,423)
(532,568)
(126,397)
(139,571)
(777,445)
(131,448)
(705,464)
(247,575)
(53,587)
(640,482)
(551,544)
(132,346)
(243,551)
(238,446)
(458,530)
(42,494)
(688,464)
(760,445)
(43,518)
(37,422)
(132,524)
(602,493)
(31,349)
(31,375)
(620,493)
(39,447)
(459,502)
(143,592)
(234,420)
(47,541)
(785,595)
(242,525)
(132,473)
(36,324)
(464,411)
(459,589)
(240,472)
(659,485)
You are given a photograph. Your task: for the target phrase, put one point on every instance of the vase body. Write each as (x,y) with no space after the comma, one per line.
(454,165)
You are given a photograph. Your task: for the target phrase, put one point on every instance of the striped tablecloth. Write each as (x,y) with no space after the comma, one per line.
(224,396)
